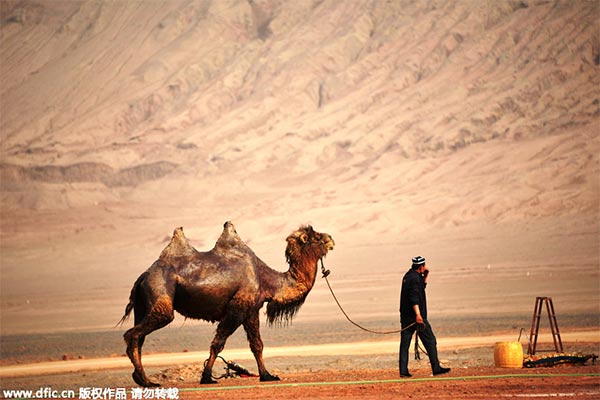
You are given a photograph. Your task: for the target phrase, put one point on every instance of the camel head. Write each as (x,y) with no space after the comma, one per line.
(305,247)
(307,244)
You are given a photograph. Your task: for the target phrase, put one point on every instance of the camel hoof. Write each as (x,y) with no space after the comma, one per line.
(207,380)
(267,377)
(141,380)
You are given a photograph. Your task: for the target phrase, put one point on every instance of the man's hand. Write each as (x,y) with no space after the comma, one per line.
(418,315)
(420,320)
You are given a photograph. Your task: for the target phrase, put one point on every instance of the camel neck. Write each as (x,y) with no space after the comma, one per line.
(288,295)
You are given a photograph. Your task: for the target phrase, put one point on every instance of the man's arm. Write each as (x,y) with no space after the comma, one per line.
(413,295)
(418,314)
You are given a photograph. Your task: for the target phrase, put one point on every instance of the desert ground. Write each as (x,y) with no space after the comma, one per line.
(476,383)
(365,369)
(466,131)
(319,367)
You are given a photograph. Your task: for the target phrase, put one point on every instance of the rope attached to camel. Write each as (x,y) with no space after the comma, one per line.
(418,348)
(326,273)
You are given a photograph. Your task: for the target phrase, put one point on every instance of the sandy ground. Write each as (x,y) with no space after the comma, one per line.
(361,377)
(342,370)
(578,382)
(360,349)
(472,383)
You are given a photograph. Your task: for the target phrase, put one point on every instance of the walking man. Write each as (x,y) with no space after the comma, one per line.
(413,317)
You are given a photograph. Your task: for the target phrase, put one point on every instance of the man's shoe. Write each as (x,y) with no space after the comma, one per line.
(406,375)
(441,371)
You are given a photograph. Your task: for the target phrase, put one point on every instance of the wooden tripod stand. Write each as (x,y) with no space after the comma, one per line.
(535,325)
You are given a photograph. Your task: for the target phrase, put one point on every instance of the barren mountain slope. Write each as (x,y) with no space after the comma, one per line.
(377,121)
(215,87)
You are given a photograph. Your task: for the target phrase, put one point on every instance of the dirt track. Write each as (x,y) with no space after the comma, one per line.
(351,349)
(350,377)
(580,382)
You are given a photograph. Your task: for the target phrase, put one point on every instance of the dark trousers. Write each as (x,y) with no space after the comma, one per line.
(427,338)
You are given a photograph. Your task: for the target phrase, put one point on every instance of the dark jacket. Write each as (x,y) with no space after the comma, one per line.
(413,292)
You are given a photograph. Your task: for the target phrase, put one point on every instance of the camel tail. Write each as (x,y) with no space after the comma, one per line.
(130,306)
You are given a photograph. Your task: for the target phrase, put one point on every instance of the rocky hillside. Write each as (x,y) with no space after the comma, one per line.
(454,110)
(466,131)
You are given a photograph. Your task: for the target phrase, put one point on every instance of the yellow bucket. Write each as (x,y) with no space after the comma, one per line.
(508,355)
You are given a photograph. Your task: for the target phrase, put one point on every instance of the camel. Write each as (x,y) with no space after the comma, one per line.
(228,284)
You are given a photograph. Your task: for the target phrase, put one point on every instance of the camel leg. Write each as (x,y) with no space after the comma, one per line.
(141,341)
(160,315)
(252,328)
(140,315)
(225,329)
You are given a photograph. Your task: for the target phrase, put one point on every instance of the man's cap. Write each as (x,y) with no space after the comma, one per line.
(418,260)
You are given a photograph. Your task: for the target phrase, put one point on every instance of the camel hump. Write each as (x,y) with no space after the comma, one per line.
(229,238)
(178,246)
(230,242)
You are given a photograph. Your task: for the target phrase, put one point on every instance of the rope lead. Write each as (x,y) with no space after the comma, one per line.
(326,273)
